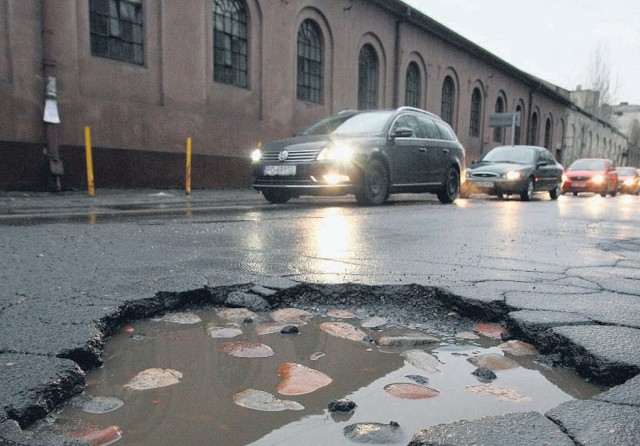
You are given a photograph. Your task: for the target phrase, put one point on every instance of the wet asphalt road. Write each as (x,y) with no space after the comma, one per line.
(565,274)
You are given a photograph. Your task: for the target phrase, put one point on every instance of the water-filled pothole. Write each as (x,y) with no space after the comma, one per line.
(235,380)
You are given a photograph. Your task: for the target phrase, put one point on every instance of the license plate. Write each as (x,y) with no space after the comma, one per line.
(284,170)
(578,184)
(483,183)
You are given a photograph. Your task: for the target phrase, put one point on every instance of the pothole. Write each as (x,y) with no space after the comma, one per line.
(405,360)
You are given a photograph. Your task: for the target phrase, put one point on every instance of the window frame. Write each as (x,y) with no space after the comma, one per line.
(368,77)
(310,64)
(475,113)
(533,128)
(231,43)
(498,132)
(413,86)
(447,102)
(113,35)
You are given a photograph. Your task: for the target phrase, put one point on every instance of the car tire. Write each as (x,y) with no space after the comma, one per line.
(575,194)
(614,193)
(555,193)
(372,188)
(451,188)
(276,196)
(603,193)
(527,193)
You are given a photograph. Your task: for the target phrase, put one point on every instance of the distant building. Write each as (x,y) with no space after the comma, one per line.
(626,118)
(145,75)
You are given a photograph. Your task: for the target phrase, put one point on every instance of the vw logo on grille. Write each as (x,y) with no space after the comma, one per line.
(283,155)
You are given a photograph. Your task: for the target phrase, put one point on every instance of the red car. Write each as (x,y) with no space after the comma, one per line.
(596,175)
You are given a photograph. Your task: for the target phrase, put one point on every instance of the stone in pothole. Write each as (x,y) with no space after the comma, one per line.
(264,401)
(374,433)
(343,330)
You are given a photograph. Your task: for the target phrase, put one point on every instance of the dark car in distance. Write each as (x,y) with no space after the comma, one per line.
(371,154)
(595,175)
(514,170)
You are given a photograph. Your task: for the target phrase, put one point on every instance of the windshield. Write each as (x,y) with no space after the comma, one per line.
(367,123)
(327,125)
(517,155)
(627,171)
(595,165)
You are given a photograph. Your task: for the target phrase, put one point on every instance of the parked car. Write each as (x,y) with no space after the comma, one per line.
(511,170)
(371,154)
(596,175)
(628,180)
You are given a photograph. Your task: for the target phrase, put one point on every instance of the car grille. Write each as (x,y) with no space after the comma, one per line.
(295,156)
(484,175)
(579,178)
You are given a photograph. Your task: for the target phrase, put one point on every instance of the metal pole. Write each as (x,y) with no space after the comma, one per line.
(49,68)
(89,156)
(188,168)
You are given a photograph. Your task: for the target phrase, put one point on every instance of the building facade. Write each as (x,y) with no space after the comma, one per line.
(626,117)
(145,75)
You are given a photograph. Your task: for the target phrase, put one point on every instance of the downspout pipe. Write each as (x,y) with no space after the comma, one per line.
(396,65)
(51,119)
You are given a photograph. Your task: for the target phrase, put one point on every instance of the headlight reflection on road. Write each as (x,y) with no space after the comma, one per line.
(596,206)
(333,241)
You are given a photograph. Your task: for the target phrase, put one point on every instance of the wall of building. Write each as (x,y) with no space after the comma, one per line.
(141,115)
(588,137)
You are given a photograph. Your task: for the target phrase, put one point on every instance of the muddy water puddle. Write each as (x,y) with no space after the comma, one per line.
(219,378)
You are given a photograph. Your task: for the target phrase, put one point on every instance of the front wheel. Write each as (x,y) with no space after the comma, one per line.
(451,187)
(555,193)
(372,188)
(276,196)
(527,193)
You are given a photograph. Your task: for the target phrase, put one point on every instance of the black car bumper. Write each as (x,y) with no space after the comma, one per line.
(308,179)
(495,186)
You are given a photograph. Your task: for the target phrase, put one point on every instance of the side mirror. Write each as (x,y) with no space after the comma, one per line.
(403,132)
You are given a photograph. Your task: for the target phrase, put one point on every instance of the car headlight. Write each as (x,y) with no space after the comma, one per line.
(256,155)
(598,179)
(512,175)
(335,153)
(629,182)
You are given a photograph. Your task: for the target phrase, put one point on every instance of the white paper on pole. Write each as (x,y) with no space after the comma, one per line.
(51,111)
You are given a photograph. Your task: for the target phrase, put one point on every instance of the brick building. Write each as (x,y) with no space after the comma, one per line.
(144,75)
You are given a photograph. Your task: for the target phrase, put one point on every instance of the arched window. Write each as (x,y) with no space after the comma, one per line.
(547,134)
(475,113)
(448,100)
(310,56)
(498,134)
(517,138)
(414,86)
(533,129)
(230,43)
(368,66)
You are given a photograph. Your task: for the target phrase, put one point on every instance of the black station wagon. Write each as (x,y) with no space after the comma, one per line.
(371,154)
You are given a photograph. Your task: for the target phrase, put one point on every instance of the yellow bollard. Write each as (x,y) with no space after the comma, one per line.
(87,142)
(188,168)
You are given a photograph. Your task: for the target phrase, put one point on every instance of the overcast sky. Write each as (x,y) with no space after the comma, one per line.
(552,39)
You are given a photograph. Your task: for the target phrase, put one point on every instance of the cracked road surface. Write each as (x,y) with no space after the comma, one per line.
(564,274)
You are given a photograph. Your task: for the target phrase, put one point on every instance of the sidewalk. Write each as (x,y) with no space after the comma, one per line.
(111,202)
